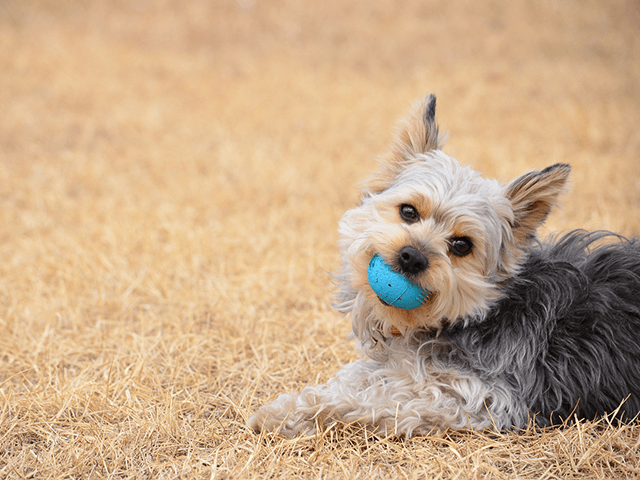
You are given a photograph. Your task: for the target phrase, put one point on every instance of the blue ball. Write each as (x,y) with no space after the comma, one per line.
(394,288)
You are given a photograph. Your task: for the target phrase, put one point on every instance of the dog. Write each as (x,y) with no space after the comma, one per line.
(511,330)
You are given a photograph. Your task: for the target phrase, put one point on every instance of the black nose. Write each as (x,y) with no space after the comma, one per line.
(411,261)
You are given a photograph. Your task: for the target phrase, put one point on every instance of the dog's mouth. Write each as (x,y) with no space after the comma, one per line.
(393,288)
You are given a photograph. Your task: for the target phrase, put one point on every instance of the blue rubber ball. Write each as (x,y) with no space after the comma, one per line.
(394,288)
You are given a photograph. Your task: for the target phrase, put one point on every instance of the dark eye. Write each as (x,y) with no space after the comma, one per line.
(460,246)
(409,213)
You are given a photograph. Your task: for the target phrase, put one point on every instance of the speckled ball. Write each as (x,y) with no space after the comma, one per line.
(392,287)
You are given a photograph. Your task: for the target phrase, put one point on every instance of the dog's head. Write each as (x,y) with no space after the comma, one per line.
(442,226)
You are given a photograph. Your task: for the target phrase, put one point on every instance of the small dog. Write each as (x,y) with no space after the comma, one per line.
(512,329)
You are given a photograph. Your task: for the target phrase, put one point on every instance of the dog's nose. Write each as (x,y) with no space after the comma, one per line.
(412,261)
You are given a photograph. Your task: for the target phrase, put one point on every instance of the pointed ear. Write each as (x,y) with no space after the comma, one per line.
(418,133)
(533,195)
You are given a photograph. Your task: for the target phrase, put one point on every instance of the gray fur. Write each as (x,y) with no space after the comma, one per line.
(567,333)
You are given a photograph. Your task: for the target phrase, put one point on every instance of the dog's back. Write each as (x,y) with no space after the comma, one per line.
(567,332)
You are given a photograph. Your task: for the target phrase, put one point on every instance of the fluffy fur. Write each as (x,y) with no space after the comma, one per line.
(514,330)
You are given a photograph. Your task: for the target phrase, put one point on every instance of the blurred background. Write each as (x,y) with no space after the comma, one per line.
(172,174)
(316,88)
(202,152)
(197,156)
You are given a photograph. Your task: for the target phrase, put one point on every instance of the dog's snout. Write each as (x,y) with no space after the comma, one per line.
(412,261)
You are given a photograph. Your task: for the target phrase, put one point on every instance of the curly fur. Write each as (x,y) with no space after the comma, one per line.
(514,330)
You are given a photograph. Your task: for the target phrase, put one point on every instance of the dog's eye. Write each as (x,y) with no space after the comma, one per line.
(460,246)
(409,213)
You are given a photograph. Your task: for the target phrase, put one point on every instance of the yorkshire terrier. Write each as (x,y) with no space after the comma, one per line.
(507,329)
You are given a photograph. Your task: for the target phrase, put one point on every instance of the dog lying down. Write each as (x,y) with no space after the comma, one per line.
(465,319)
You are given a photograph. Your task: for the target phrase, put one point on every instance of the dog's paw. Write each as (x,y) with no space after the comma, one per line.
(283,417)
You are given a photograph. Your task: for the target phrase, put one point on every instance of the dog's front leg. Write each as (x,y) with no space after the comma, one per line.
(401,396)
(338,400)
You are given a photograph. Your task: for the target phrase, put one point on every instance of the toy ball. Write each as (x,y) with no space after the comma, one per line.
(392,287)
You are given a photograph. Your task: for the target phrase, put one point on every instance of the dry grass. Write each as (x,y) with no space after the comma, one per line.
(171,177)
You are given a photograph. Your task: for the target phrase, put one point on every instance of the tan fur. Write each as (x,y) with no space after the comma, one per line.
(417,133)
(533,195)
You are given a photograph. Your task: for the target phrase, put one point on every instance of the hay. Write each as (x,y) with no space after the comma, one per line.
(171,177)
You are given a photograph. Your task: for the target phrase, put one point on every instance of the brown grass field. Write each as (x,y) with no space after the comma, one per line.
(171,178)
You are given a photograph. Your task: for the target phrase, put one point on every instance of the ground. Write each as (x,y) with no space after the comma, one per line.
(171,178)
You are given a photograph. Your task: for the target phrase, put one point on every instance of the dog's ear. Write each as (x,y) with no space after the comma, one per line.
(533,195)
(418,133)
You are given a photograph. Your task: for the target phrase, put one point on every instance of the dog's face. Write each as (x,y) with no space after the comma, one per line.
(441,225)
